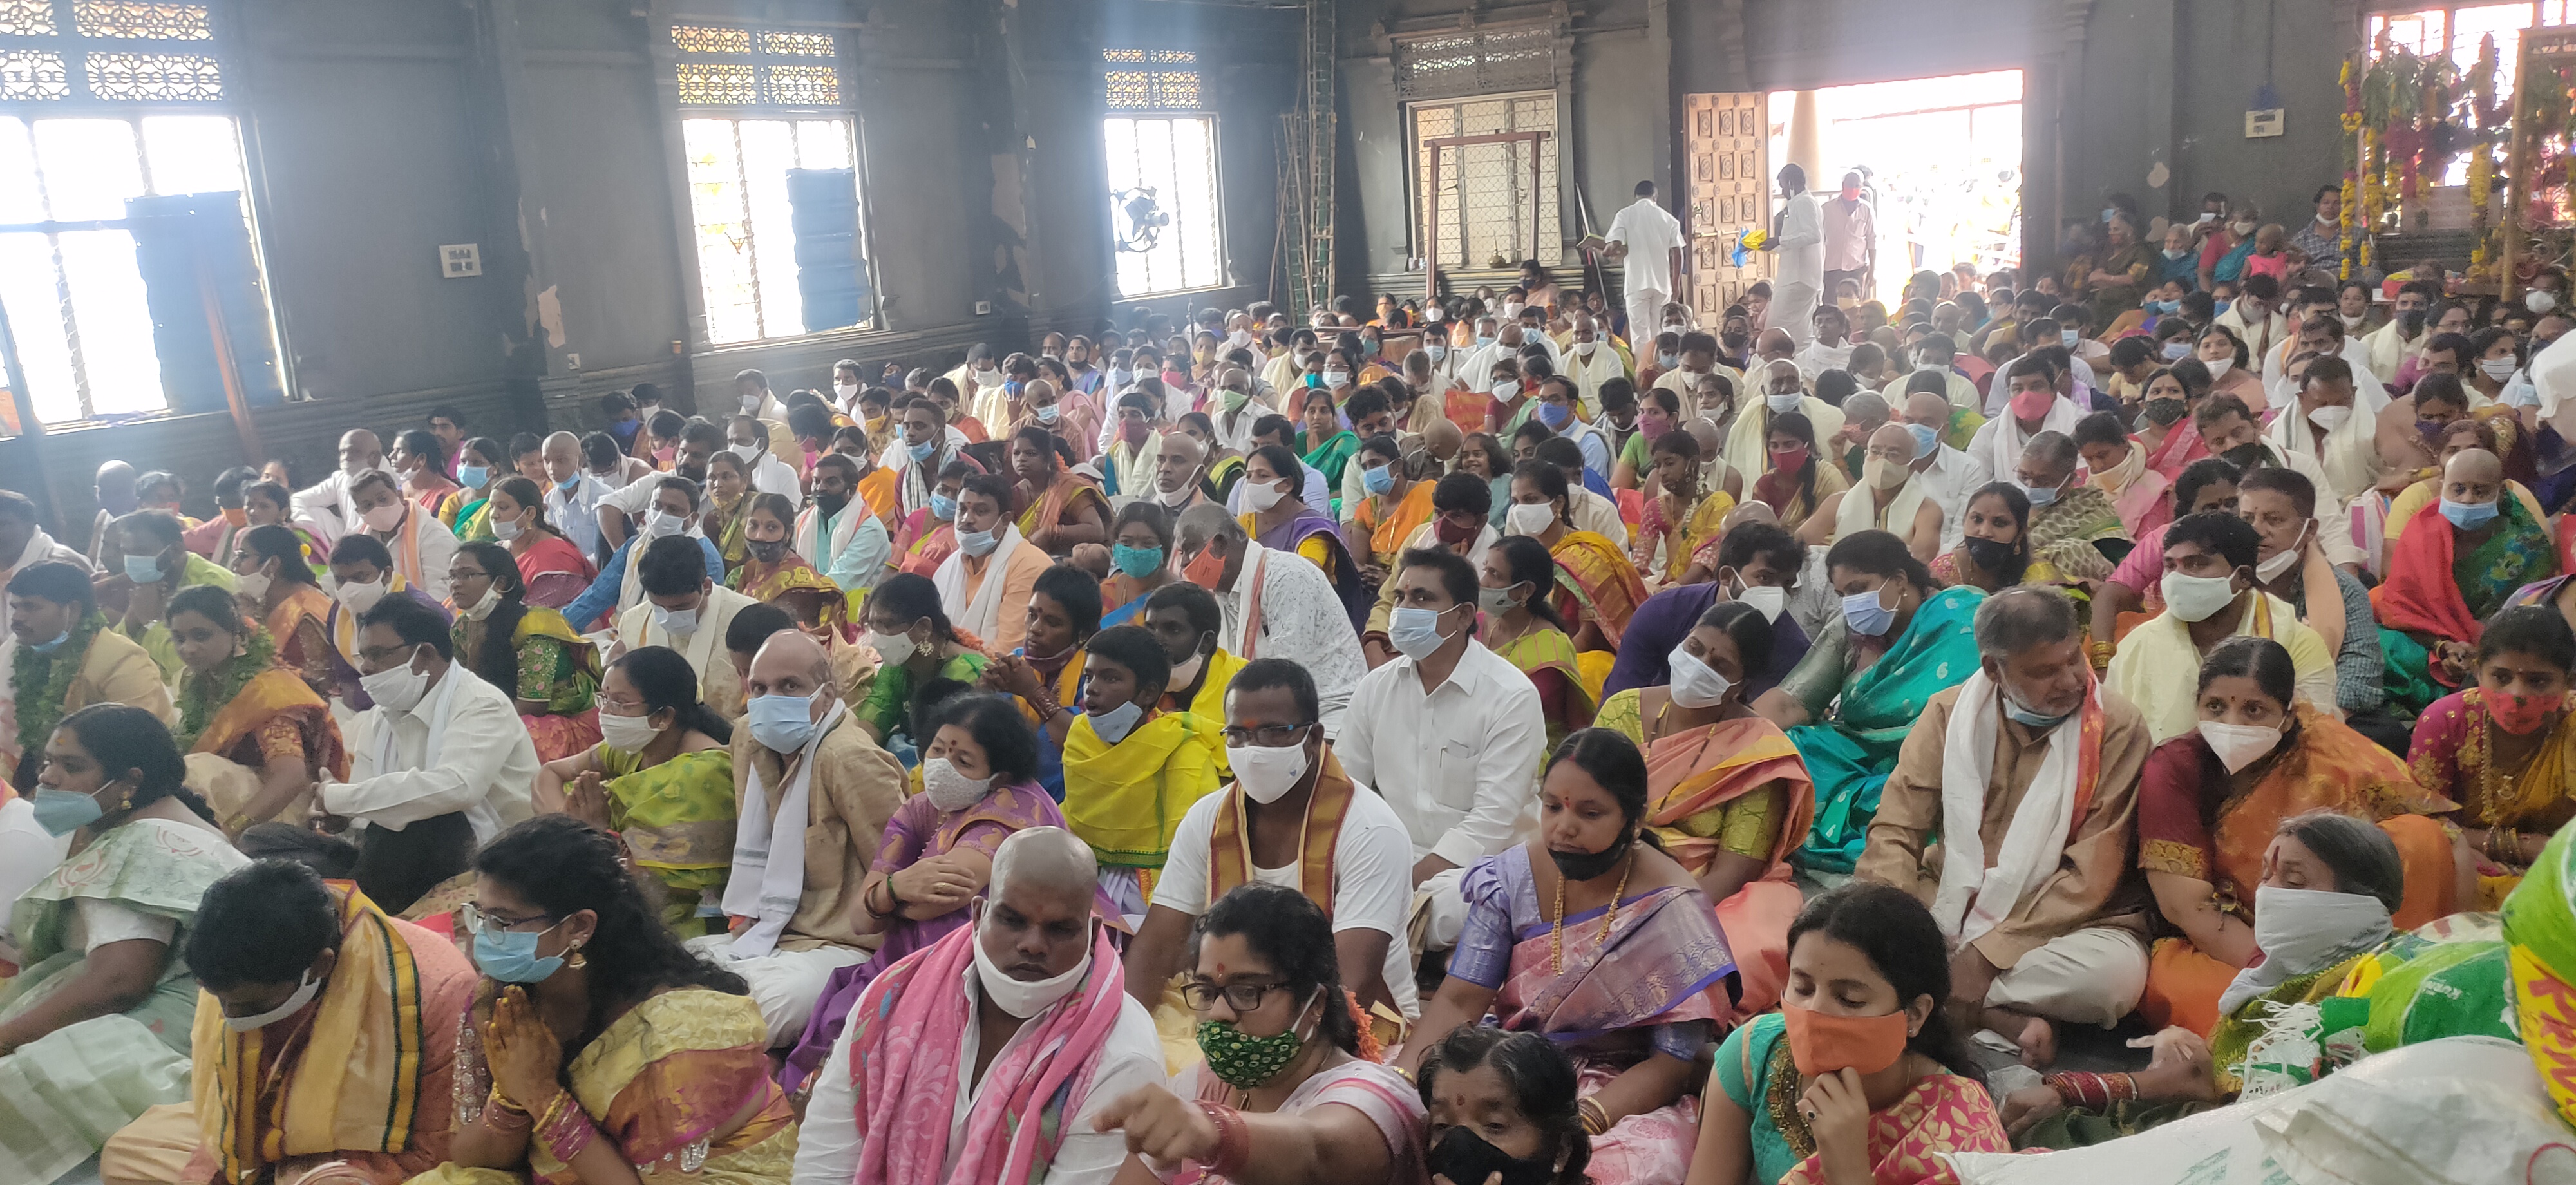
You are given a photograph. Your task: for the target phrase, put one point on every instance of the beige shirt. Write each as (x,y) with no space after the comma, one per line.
(2092,885)
(856,788)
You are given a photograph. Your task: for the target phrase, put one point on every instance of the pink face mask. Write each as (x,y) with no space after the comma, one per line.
(2032,405)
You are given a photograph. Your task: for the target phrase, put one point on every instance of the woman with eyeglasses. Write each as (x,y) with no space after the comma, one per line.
(599,1047)
(528,651)
(1291,1090)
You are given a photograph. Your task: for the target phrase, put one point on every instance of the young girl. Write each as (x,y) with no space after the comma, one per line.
(1502,1102)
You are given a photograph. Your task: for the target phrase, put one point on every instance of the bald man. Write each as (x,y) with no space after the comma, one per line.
(1031,955)
(1948,475)
(812,794)
(116,499)
(1592,361)
(1782,391)
(1889,497)
(573,494)
(328,506)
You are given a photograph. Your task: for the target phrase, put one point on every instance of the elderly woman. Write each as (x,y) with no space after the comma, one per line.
(264,734)
(1994,551)
(978,786)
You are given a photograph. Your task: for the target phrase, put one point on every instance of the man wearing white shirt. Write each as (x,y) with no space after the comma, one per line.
(1450,734)
(1587,511)
(1462,507)
(1277,604)
(326,505)
(1646,241)
(838,531)
(1830,349)
(1591,362)
(685,610)
(1286,782)
(1236,409)
(1036,952)
(2388,346)
(1948,475)
(923,445)
(1932,355)
(1180,473)
(438,741)
(625,507)
(2231,432)
(1800,242)
(2033,407)
(2036,336)
(748,440)
(24,544)
(572,494)
(421,545)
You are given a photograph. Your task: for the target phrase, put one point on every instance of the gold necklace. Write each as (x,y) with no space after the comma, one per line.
(1609,922)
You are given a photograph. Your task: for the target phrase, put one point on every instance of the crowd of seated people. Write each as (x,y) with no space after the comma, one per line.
(1488,738)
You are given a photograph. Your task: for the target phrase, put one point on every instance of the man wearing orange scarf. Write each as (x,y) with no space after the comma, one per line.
(325,1042)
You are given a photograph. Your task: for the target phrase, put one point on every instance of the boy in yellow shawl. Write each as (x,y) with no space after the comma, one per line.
(1131,770)
(324,1048)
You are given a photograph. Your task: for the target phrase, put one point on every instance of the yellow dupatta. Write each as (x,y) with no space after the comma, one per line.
(1703,527)
(1702,769)
(541,622)
(1598,581)
(1388,529)
(801,577)
(268,693)
(356,1084)
(1127,799)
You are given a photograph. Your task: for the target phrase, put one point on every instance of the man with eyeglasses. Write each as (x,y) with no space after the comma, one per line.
(1292,817)
(439,746)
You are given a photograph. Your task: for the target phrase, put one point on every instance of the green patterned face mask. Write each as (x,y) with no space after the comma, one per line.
(1246,1062)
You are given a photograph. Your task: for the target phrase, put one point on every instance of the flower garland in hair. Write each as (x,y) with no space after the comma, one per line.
(208,691)
(42,682)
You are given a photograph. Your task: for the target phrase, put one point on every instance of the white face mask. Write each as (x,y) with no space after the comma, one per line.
(1696,684)
(360,597)
(1267,774)
(2218,367)
(481,607)
(748,454)
(1023,999)
(893,649)
(675,621)
(662,524)
(1262,497)
(507,529)
(950,790)
(383,518)
(750,404)
(1530,518)
(304,993)
(2498,369)
(626,734)
(2195,598)
(398,688)
(2329,418)
(1770,601)
(2239,745)
(1783,403)
(250,585)
(2270,570)
(845,390)
(1507,389)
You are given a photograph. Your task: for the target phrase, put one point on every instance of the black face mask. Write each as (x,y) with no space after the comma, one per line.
(1992,555)
(830,504)
(2411,322)
(1583,866)
(769,552)
(2167,411)
(1735,339)
(1462,1155)
(2247,456)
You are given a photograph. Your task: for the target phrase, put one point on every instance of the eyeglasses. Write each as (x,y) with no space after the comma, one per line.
(1267,736)
(380,655)
(473,920)
(1241,997)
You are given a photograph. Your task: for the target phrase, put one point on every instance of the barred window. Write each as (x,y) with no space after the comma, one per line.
(1476,63)
(1164,214)
(122,189)
(772,173)
(1484,202)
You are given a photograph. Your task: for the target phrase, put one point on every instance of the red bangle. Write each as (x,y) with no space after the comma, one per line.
(1233,1140)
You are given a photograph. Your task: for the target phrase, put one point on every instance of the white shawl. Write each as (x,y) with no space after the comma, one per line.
(2349,454)
(768,876)
(982,615)
(2033,842)
(1859,510)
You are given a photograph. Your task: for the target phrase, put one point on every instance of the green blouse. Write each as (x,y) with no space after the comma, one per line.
(891,696)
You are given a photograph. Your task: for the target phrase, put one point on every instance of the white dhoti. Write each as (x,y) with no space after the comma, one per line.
(2090,977)
(784,983)
(1645,319)
(1793,308)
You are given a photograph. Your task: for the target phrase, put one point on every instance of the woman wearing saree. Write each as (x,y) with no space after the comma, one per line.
(1325,444)
(1903,637)
(2113,285)
(261,736)
(1596,585)
(2443,580)
(1140,553)
(420,461)
(1728,796)
(1514,575)
(661,779)
(929,534)
(1782,1110)
(1679,517)
(660,1065)
(979,786)
(94,1027)
(1396,505)
(1626,982)
(770,559)
(526,650)
(554,570)
(1994,550)
(2504,749)
(728,486)
(1075,415)
(914,642)
(1064,509)
(2210,801)
(278,589)
(1797,480)
(480,464)
(1277,517)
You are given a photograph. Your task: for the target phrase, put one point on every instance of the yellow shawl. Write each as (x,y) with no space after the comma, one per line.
(1127,799)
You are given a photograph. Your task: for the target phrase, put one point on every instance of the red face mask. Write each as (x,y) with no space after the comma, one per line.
(1785,460)
(1453,534)
(1821,1043)
(2522,715)
(1851,193)
(1205,570)
(2032,405)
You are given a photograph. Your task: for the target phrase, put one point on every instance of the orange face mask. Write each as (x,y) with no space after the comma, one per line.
(1205,570)
(237,516)
(1821,1043)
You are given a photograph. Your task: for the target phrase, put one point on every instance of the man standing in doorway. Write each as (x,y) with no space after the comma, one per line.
(1798,235)
(1649,242)
(1851,238)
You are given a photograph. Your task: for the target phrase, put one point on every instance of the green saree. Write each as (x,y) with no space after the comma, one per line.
(1851,751)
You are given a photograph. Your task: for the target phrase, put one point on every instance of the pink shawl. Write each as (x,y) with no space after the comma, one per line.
(904,1047)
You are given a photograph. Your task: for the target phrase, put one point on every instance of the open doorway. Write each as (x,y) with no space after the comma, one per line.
(1940,161)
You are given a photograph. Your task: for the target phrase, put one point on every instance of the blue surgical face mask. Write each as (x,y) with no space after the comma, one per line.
(783,723)
(1114,724)
(1864,615)
(1415,632)
(511,955)
(2040,495)
(50,647)
(472,475)
(61,812)
(2468,516)
(2023,716)
(143,569)
(2218,306)
(1554,415)
(1926,438)
(2163,308)
(1120,378)
(1484,339)
(1049,414)
(2175,350)
(2070,337)
(922,451)
(978,543)
(943,508)
(1668,361)
(1378,480)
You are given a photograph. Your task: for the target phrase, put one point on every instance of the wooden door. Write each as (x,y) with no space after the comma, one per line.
(1727,144)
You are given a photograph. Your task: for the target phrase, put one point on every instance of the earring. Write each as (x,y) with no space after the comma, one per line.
(573,958)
